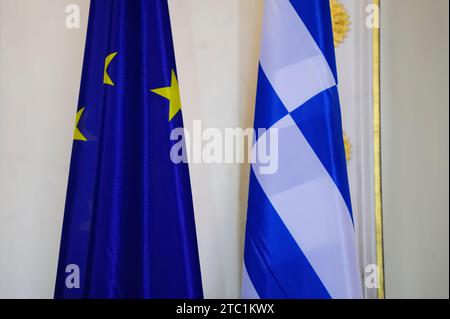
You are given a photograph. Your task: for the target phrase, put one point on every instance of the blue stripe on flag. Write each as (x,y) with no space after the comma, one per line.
(276,265)
(319,119)
(315,15)
(269,108)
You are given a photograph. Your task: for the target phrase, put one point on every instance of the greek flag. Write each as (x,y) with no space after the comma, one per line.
(300,237)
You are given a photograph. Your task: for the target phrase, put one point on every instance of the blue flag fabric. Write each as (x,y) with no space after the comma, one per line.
(300,239)
(129,228)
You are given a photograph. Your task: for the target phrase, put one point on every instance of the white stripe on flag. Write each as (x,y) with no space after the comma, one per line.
(314,211)
(290,57)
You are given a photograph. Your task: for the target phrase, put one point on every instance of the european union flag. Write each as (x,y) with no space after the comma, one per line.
(129,228)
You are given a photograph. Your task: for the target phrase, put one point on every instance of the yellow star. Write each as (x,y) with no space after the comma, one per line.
(108,60)
(172,93)
(77,135)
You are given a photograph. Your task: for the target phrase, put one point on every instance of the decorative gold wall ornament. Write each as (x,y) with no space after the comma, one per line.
(341,21)
(348,147)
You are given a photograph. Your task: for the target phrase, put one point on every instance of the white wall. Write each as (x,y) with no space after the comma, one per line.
(217,45)
(39,80)
(415,128)
(217,51)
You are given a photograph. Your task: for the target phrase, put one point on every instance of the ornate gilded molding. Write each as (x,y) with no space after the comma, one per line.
(377,157)
(348,147)
(341,21)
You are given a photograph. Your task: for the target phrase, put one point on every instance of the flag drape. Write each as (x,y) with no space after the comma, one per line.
(129,226)
(300,239)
